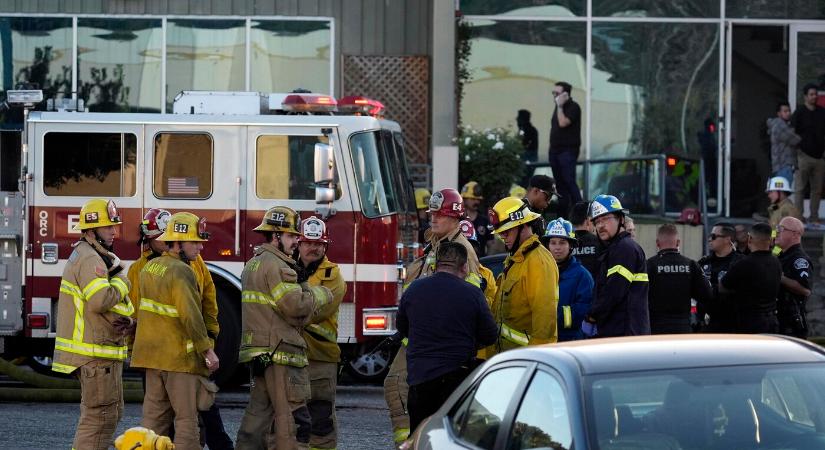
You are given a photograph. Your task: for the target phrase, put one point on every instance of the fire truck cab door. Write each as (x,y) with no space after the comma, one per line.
(198,168)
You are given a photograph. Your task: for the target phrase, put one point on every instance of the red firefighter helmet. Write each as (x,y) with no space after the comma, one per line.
(468,230)
(154,223)
(447,202)
(313,229)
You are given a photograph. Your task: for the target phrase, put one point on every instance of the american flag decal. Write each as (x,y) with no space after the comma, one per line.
(182,186)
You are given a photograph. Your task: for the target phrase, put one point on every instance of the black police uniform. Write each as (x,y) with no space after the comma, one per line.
(720,308)
(620,303)
(797,266)
(587,250)
(674,280)
(755,282)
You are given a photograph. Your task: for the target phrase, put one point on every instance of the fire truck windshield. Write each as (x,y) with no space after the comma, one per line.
(377,174)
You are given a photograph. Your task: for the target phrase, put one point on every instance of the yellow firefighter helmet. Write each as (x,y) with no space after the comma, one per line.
(185,227)
(98,213)
(143,439)
(510,212)
(517,191)
(471,191)
(422,198)
(280,219)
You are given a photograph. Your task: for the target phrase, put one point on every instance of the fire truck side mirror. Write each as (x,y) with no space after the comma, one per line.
(324,164)
(324,195)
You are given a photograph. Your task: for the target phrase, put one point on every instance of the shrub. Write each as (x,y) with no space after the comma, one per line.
(492,158)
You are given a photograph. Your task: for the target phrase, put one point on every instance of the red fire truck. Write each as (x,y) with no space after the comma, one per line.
(228,157)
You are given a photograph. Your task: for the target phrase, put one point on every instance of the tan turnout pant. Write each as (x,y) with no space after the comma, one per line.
(395,393)
(101,404)
(323,378)
(172,396)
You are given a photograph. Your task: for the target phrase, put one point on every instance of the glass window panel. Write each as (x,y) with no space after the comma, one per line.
(775,9)
(89,164)
(525,8)
(656,8)
(810,67)
(653,87)
(374,175)
(183,165)
(290,54)
(478,418)
(542,421)
(204,55)
(119,64)
(37,51)
(285,167)
(513,65)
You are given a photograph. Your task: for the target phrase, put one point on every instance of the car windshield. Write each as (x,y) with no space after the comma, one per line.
(750,407)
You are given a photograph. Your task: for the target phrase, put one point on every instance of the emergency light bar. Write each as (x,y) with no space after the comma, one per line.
(356,104)
(309,103)
(24,97)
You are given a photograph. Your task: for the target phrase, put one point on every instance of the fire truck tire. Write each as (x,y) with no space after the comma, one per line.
(229,338)
(371,361)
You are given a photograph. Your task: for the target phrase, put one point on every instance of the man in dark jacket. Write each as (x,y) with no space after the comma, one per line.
(755,283)
(447,321)
(809,123)
(674,281)
(619,307)
(783,142)
(587,244)
(529,136)
(723,255)
(796,278)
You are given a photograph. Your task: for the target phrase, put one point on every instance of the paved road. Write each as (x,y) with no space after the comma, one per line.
(362,419)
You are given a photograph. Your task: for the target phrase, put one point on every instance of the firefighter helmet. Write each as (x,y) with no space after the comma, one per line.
(510,212)
(422,196)
(517,191)
(471,191)
(559,228)
(468,230)
(447,202)
(778,184)
(98,213)
(154,223)
(185,227)
(143,438)
(280,219)
(313,229)
(606,204)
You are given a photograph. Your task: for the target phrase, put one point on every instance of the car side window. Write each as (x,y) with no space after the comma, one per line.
(476,421)
(542,420)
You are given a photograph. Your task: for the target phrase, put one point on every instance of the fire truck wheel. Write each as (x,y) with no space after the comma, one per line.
(229,338)
(43,366)
(371,362)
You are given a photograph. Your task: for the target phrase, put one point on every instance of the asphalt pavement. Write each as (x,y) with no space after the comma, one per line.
(363,420)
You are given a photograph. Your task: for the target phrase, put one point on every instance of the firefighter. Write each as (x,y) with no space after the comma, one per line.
(674,281)
(587,244)
(278,303)
(153,225)
(93,312)
(321,335)
(575,282)
(796,278)
(721,317)
(528,288)
(171,342)
(446,208)
(422,196)
(472,195)
(620,305)
(778,190)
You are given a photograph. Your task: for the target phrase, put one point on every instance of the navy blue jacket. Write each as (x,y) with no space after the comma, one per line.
(575,295)
(620,303)
(446,320)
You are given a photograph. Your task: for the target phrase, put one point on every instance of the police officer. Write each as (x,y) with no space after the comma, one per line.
(171,342)
(796,278)
(620,305)
(528,288)
(720,311)
(277,303)
(446,208)
(93,311)
(472,195)
(754,282)
(321,335)
(153,225)
(674,281)
(587,246)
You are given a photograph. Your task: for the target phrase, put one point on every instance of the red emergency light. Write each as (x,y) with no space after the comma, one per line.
(671,161)
(375,323)
(309,103)
(359,105)
(37,321)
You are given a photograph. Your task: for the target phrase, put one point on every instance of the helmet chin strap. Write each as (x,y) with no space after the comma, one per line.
(102,243)
(517,242)
(182,254)
(280,245)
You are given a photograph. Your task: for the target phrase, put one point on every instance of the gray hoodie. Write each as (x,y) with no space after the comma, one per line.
(783,144)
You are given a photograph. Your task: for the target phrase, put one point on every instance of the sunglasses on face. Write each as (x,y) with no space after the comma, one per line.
(714,236)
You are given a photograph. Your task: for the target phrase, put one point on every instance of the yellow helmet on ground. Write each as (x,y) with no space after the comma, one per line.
(517,191)
(98,213)
(510,212)
(471,191)
(185,227)
(144,439)
(422,198)
(280,219)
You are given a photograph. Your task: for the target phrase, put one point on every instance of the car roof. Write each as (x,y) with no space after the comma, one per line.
(661,352)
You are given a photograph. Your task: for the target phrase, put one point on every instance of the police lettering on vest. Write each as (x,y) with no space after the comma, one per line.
(589,250)
(673,268)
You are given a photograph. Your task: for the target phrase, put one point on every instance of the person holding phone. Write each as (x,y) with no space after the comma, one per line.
(565,142)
